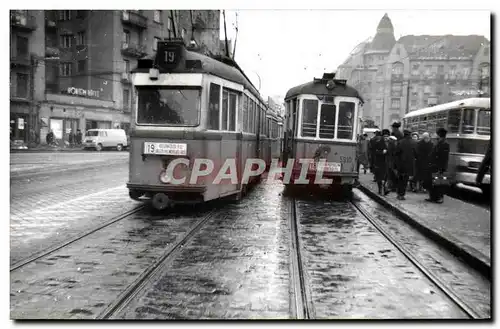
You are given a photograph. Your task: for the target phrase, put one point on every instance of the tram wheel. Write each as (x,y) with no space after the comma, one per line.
(160,201)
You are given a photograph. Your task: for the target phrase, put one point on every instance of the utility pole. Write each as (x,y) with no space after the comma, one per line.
(408,97)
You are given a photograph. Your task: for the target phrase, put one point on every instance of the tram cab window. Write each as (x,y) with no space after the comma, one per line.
(345,125)
(327,121)
(250,116)
(484,122)
(454,120)
(225,109)
(168,106)
(468,121)
(309,117)
(232,111)
(213,107)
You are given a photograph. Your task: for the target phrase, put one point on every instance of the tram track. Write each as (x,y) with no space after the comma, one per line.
(440,284)
(301,301)
(142,281)
(45,252)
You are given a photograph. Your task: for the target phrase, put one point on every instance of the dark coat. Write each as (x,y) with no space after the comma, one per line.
(398,134)
(405,156)
(485,164)
(371,150)
(439,156)
(424,150)
(380,159)
(391,154)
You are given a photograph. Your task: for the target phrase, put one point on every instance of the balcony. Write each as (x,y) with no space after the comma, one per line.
(52,52)
(134,18)
(133,50)
(20,60)
(22,21)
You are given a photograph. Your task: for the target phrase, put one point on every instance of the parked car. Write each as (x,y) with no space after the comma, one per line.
(100,139)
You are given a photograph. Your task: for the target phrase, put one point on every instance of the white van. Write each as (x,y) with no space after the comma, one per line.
(105,138)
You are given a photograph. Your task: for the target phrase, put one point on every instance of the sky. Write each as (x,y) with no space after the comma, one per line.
(290,47)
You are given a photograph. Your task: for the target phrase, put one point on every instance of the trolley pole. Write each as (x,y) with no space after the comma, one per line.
(408,98)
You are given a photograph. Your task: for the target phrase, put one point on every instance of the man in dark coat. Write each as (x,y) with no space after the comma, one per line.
(439,164)
(424,149)
(380,161)
(371,151)
(392,178)
(404,159)
(395,130)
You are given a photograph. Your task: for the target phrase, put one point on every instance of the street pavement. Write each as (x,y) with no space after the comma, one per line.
(460,222)
(58,195)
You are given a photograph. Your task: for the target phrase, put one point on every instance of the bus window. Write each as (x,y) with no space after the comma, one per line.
(468,121)
(327,121)
(484,122)
(309,117)
(344,127)
(453,121)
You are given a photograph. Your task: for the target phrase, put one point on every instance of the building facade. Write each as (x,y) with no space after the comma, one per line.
(80,63)
(396,77)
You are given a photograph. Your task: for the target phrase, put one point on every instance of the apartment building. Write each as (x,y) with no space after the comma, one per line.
(413,72)
(81,62)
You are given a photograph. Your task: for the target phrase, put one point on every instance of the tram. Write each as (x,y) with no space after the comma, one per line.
(199,113)
(321,126)
(468,122)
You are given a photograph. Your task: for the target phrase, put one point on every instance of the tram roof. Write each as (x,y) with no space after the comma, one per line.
(220,66)
(319,87)
(468,102)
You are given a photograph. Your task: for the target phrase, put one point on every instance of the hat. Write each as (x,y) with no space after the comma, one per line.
(386,132)
(425,135)
(441,132)
(396,124)
(406,132)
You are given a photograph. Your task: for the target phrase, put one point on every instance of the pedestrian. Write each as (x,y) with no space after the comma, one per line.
(50,138)
(380,161)
(371,151)
(413,179)
(483,168)
(424,150)
(439,165)
(363,152)
(392,178)
(405,161)
(395,130)
(71,138)
(79,137)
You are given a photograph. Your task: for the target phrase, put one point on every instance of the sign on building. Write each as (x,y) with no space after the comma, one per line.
(20,123)
(82,92)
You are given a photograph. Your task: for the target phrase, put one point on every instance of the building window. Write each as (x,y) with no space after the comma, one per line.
(415,69)
(395,103)
(414,102)
(428,70)
(126,99)
(22,46)
(82,65)
(453,71)
(64,15)
(126,37)
(66,69)
(396,89)
(485,71)
(157,16)
(427,90)
(80,38)
(22,85)
(127,65)
(65,41)
(155,43)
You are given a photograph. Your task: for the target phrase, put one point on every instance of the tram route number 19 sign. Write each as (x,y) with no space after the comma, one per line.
(165,148)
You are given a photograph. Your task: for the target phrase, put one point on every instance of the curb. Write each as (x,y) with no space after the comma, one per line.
(471,256)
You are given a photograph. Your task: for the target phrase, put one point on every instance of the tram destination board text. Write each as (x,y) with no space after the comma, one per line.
(165,148)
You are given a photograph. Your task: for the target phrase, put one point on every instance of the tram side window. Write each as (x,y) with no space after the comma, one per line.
(232,111)
(327,121)
(441,120)
(309,117)
(345,126)
(484,122)
(225,108)
(213,107)
(468,121)
(245,113)
(250,116)
(454,120)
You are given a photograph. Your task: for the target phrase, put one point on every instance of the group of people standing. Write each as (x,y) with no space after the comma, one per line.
(73,139)
(397,158)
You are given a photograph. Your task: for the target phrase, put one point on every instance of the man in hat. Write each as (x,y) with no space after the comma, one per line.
(380,161)
(405,158)
(395,130)
(439,164)
(371,151)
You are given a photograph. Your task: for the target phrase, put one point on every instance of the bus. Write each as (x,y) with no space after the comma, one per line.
(468,122)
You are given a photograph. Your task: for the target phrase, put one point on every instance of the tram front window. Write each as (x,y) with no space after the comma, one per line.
(170,107)
(345,126)
(309,117)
